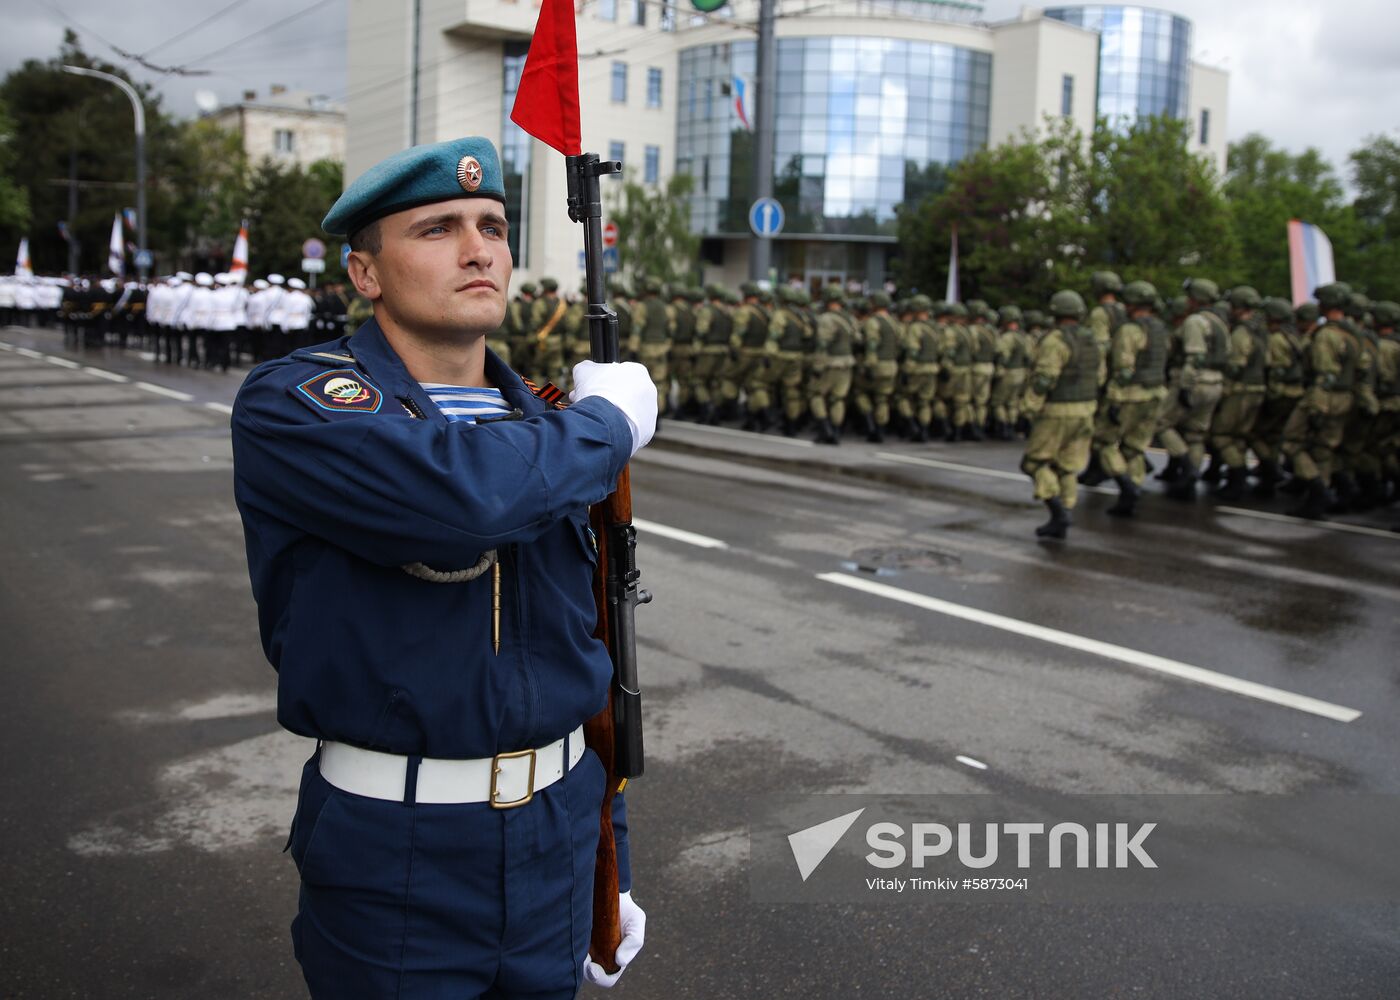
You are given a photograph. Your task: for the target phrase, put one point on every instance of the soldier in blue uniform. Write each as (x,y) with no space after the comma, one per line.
(420,551)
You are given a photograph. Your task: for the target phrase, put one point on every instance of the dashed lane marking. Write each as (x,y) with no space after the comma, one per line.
(1133,657)
(1355,529)
(161,390)
(103,373)
(61,362)
(676,534)
(751,435)
(219,408)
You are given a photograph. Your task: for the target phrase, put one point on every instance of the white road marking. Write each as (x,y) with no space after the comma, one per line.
(970,762)
(5,345)
(751,435)
(676,534)
(1355,529)
(220,407)
(1147,661)
(161,390)
(36,355)
(103,373)
(935,463)
(61,362)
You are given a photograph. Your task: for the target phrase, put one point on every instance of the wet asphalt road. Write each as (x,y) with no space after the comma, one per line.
(147,788)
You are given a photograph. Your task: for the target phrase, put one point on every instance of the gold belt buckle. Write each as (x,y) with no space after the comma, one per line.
(495,773)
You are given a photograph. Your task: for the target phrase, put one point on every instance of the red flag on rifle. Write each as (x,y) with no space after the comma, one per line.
(546,102)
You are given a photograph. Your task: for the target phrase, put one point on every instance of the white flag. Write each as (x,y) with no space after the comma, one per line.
(116,249)
(952,293)
(23,268)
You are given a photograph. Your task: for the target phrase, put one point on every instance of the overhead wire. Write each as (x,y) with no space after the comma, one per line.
(190,31)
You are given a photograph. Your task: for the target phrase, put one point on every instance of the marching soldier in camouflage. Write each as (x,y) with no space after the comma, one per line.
(620,299)
(547,335)
(956,387)
(1202,349)
(683,349)
(1014,350)
(1104,319)
(714,325)
(1137,363)
(923,347)
(575,330)
(792,334)
(1242,393)
(880,364)
(1341,376)
(1285,374)
(833,360)
(748,365)
(1385,439)
(1060,399)
(518,329)
(984,363)
(651,330)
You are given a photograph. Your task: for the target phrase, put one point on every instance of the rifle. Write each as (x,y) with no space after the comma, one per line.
(615,734)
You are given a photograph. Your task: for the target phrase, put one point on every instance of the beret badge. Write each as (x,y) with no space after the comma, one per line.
(469,173)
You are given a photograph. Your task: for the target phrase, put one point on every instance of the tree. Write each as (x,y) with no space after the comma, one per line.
(1265,187)
(1375,267)
(14,199)
(653,225)
(1155,209)
(285,208)
(1020,225)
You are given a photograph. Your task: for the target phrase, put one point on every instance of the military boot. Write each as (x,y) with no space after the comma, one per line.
(1093,473)
(1184,486)
(1211,473)
(1058,525)
(1314,503)
(1345,489)
(762,420)
(1268,480)
(971,432)
(1371,492)
(876,434)
(1171,470)
(952,435)
(937,428)
(707,414)
(826,434)
(1127,497)
(789,426)
(1008,432)
(1235,482)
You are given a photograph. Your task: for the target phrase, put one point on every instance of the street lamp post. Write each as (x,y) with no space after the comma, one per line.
(140,112)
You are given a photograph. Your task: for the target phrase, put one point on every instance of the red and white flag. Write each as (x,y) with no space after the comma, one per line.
(239,267)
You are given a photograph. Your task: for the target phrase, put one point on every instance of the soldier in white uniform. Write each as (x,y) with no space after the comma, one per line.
(297,310)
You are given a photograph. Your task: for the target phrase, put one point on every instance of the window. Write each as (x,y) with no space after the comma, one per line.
(607,10)
(668,16)
(652,172)
(1067,96)
(1205,126)
(653,87)
(639,12)
(284,141)
(617,151)
(619,83)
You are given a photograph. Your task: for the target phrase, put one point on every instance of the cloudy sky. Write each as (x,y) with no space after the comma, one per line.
(1303,72)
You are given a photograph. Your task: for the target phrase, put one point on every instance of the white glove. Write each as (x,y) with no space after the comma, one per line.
(634,930)
(628,386)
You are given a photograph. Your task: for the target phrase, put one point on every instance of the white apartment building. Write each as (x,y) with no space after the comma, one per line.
(286,127)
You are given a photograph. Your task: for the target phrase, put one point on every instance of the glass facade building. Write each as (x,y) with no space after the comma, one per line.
(863,125)
(515,152)
(1144,59)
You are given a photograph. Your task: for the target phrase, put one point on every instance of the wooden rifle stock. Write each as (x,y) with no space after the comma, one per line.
(614,734)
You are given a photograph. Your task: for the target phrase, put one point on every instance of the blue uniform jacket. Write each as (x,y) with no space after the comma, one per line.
(344,472)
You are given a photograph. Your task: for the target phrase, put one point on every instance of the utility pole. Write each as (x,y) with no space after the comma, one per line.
(765,109)
(139,112)
(73,259)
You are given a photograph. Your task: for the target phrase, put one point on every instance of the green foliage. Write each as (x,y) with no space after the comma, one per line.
(199,184)
(14,199)
(1265,188)
(653,224)
(1155,209)
(1019,218)
(1374,268)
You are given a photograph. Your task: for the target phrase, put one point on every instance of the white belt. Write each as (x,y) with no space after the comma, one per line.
(506,780)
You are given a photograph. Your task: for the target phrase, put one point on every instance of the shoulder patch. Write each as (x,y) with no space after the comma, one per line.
(342,389)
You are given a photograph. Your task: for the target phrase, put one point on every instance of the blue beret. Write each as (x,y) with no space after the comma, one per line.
(420,175)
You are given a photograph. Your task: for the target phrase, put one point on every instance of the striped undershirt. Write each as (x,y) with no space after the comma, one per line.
(465,403)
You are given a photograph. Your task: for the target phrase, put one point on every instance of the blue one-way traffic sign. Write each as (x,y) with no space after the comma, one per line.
(766,217)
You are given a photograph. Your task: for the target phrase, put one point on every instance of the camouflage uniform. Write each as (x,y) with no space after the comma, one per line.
(833,360)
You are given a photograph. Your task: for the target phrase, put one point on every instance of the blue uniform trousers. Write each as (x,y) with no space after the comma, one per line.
(434,901)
